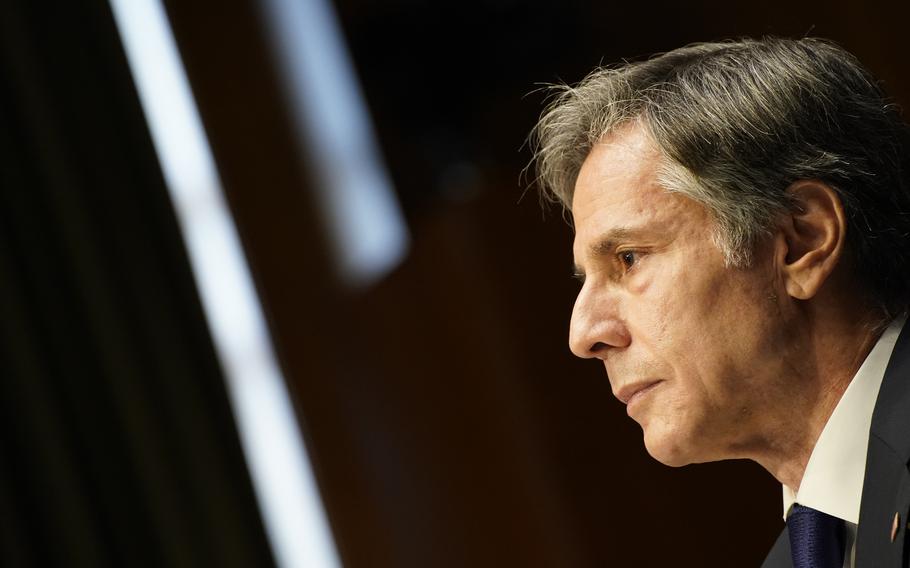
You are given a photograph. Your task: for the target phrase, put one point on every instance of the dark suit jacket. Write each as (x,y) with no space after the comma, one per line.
(886,489)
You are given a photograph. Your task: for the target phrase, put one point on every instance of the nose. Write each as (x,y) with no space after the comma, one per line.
(596,326)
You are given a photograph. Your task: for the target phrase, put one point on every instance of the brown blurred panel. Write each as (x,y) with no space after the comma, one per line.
(263,176)
(415,450)
(261,173)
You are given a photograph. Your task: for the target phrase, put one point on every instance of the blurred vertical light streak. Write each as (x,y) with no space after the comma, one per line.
(288,497)
(356,195)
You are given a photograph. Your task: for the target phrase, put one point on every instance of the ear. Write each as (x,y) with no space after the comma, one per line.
(812,237)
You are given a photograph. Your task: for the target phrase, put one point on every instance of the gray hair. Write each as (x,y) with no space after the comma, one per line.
(738,123)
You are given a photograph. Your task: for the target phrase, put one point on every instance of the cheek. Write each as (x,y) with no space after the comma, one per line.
(678,313)
(691,328)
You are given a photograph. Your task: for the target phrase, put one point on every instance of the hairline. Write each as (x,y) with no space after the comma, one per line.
(687,185)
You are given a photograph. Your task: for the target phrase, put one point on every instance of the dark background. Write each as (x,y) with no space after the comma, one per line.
(448,423)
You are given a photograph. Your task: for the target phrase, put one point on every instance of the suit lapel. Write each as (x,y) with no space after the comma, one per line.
(886,489)
(779,557)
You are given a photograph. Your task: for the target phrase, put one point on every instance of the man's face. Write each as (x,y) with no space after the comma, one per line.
(693,347)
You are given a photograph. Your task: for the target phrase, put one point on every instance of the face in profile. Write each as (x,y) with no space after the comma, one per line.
(691,346)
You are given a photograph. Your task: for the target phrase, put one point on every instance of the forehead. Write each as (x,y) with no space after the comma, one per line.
(617,190)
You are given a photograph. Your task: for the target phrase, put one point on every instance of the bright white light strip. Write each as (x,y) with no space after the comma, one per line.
(366,224)
(288,497)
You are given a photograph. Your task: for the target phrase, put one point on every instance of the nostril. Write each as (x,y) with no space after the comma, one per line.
(598,347)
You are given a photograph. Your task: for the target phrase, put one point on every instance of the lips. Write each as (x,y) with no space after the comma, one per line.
(626,393)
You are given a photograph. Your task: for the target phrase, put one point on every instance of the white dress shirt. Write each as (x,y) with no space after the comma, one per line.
(833,479)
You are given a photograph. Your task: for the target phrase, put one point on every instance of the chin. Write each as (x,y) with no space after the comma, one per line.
(667,450)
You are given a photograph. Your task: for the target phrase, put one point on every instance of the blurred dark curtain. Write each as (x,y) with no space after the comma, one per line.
(117,444)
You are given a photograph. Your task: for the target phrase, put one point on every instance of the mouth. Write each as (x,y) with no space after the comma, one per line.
(629,393)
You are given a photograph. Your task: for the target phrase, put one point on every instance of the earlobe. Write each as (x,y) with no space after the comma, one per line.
(813,235)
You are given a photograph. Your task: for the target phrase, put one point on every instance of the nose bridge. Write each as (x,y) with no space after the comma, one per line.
(596,324)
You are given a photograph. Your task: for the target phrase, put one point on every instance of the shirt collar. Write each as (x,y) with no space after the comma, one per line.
(833,479)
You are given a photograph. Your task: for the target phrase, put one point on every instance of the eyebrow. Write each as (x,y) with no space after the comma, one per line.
(606,244)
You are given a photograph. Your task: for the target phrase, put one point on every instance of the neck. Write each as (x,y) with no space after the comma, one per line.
(822,364)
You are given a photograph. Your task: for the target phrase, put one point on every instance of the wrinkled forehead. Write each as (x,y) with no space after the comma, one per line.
(619,192)
(625,151)
(620,171)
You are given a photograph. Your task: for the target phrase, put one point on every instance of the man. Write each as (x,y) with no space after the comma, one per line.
(742,232)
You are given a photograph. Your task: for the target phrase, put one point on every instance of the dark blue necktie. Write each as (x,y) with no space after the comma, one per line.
(816,538)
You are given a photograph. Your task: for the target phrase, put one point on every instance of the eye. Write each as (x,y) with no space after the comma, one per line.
(628,258)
